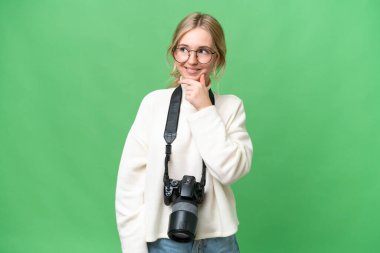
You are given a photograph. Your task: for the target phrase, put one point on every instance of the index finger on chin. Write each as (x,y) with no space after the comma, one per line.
(189,81)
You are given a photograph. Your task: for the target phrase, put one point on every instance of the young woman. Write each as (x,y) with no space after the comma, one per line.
(211,133)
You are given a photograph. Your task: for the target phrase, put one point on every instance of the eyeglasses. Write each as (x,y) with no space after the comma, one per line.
(182,54)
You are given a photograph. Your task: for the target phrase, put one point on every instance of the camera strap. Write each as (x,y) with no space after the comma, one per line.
(171,130)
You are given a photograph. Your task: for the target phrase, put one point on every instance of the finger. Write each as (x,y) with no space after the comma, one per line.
(202,80)
(188,89)
(189,81)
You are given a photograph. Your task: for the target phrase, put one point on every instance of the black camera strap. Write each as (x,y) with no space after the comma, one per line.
(171,130)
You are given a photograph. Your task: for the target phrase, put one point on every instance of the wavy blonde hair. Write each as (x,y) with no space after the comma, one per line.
(211,25)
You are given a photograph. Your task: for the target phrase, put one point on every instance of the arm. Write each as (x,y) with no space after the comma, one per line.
(130,210)
(226,148)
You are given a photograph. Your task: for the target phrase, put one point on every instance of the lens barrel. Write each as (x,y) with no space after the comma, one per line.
(183,220)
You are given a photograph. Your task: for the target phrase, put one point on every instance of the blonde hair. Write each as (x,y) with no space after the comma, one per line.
(209,24)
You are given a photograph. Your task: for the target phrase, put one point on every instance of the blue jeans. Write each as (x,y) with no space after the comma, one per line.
(211,245)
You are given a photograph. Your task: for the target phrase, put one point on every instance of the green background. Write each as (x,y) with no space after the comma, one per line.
(72,75)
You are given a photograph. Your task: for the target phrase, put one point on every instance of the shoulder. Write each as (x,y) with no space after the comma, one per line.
(231,109)
(228,98)
(228,102)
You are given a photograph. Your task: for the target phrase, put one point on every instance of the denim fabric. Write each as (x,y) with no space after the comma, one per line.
(211,245)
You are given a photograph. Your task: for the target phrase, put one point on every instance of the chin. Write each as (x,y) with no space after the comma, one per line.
(193,77)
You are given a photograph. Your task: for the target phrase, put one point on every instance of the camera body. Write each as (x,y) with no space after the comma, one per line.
(185,196)
(187,188)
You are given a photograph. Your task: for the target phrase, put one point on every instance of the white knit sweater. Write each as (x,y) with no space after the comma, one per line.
(216,133)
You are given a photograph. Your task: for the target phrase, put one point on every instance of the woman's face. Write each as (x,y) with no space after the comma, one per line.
(192,68)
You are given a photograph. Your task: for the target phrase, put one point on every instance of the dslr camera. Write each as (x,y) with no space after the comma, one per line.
(185,195)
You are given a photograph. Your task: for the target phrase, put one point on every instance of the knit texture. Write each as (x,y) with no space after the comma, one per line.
(216,133)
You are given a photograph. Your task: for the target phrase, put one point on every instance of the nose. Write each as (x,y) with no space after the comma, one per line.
(193,58)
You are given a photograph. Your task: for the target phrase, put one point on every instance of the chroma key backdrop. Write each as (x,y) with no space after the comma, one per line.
(73,73)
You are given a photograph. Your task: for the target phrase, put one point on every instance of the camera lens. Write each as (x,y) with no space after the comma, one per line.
(181,235)
(183,220)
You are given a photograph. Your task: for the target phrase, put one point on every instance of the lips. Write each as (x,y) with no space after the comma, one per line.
(192,70)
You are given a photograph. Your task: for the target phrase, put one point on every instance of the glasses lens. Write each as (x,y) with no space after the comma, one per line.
(204,55)
(181,54)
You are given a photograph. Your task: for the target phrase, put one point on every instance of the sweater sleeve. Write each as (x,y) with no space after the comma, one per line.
(129,204)
(225,147)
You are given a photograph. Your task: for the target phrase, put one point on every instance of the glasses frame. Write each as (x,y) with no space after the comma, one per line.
(196,55)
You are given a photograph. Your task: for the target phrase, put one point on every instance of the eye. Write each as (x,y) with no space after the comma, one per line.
(204,51)
(183,49)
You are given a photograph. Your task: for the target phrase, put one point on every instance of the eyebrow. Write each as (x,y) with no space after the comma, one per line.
(198,47)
